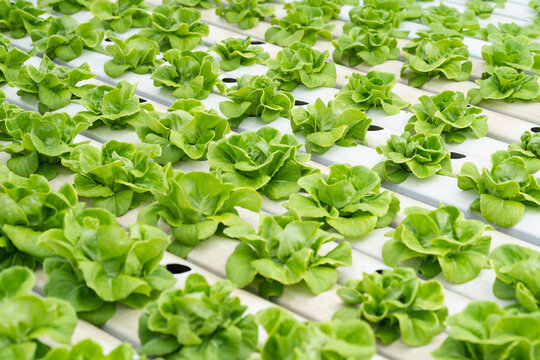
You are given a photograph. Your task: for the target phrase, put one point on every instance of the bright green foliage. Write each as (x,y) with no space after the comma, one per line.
(114,107)
(90,350)
(67,7)
(256,96)
(518,275)
(189,74)
(423,155)
(135,54)
(323,126)
(447,113)
(442,240)
(66,39)
(300,64)
(492,32)
(236,52)
(182,134)
(121,15)
(304,24)
(404,9)
(29,319)
(7,111)
(535,5)
(246,13)
(203,4)
(398,304)
(265,160)
(485,331)
(285,251)
(290,339)
(176,27)
(38,142)
(11,60)
(349,199)
(198,322)
(529,150)
(465,23)
(377,16)
(438,52)
(370,91)
(504,190)
(54,85)
(330,8)
(20,18)
(30,207)
(507,84)
(117,177)
(197,205)
(98,264)
(484,8)
(365,44)
(518,52)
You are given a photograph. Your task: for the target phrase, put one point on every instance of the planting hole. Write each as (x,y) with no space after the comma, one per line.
(108,40)
(178,268)
(257,42)
(455,155)
(374,128)
(142,100)
(300,102)
(229,80)
(379,271)
(535,129)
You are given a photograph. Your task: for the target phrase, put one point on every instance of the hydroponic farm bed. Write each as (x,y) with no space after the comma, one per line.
(306,180)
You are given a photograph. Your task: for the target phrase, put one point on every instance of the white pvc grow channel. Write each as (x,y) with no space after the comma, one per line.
(506,121)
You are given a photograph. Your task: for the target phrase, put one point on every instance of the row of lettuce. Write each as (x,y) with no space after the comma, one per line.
(370,36)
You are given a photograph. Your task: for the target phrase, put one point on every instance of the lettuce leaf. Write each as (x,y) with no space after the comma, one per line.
(246,13)
(236,52)
(68,7)
(135,54)
(529,150)
(121,15)
(20,17)
(11,60)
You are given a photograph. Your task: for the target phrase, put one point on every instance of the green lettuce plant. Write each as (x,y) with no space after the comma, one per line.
(286,251)
(30,206)
(98,264)
(265,160)
(135,54)
(420,154)
(66,39)
(434,53)
(256,96)
(529,150)
(198,205)
(364,44)
(326,126)
(114,107)
(398,304)
(54,85)
(189,74)
(365,92)
(203,4)
(483,8)
(20,17)
(442,240)
(518,271)
(246,13)
(504,190)
(7,112)
(67,7)
(290,339)
(384,17)
(483,330)
(38,142)
(176,27)
(236,52)
(11,60)
(447,113)
(118,176)
(348,199)
(405,9)
(451,18)
(30,322)
(88,349)
(300,64)
(182,134)
(494,32)
(517,52)
(121,15)
(331,8)
(507,84)
(304,24)
(200,321)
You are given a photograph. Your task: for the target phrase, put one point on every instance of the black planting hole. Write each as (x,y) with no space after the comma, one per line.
(300,102)
(142,100)
(379,271)
(108,40)
(178,268)
(535,129)
(455,155)
(257,42)
(229,80)
(374,128)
